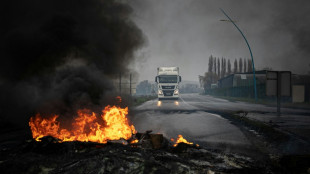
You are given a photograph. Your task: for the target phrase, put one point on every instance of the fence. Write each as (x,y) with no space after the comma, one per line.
(245,92)
(240,91)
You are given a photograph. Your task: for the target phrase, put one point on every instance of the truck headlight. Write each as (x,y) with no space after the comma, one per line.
(176,91)
(160,92)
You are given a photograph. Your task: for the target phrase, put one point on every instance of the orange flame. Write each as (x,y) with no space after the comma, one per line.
(86,126)
(180,140)
(134,141)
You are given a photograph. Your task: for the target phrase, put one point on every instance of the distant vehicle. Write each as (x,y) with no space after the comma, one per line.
(168,80)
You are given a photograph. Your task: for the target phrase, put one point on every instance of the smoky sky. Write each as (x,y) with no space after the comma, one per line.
(185,33)
(60,55)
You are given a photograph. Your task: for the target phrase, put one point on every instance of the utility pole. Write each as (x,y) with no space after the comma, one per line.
(279,97)
(120,83)
(130,84)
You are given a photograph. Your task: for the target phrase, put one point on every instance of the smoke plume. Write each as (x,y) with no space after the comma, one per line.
(185,33)
(59,55)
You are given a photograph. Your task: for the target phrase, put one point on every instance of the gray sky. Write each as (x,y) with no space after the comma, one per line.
(185,33)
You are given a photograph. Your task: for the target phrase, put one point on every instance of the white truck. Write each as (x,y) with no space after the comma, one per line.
(168,80)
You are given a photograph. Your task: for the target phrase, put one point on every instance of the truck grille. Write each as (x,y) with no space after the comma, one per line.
(168,92)
(167,87)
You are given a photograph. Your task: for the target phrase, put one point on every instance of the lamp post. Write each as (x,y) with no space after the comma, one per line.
(254,79)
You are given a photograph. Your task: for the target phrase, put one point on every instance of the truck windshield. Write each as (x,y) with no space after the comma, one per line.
(168,79)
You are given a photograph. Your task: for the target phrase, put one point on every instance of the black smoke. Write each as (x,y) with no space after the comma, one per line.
(59,55)
(293,17)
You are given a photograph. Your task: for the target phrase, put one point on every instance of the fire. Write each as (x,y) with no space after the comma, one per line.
(180,140)
(134,141)
(86,126)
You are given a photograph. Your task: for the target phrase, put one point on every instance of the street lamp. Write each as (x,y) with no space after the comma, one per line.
(254,79)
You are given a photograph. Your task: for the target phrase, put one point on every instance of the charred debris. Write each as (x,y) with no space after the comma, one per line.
(151,153)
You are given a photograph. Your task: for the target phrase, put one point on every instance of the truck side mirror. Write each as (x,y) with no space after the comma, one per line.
(156,79)
(180,78)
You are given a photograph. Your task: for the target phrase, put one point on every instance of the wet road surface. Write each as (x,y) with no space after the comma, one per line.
(194,117)
(189,116)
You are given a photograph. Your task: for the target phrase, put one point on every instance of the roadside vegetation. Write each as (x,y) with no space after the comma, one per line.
(138,100)
(272,142)
(272,135)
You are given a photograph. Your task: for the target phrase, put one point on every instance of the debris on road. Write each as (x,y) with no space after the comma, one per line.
(153,154)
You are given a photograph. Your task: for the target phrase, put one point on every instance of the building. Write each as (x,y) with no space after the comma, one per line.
(241,85)
(300,88)
(242,79)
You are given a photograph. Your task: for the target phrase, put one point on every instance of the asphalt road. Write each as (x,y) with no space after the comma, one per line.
(208,103)
(193,117)
(189,117)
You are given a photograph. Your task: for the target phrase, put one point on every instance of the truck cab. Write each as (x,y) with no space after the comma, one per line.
(168,80)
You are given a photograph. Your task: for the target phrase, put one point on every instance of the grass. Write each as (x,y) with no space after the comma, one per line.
(271,134)
(138,100)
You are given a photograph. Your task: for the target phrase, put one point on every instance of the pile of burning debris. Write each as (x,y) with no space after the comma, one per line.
(113,146)
(152,153)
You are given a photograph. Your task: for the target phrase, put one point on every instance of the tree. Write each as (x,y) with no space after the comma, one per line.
(207,80)
(244,65)
(210,64)
(218,68)
(235,66)
(224,68)
(144,88)
(240,65)
(250,67)
(201,81)
(214,60)
(228,67)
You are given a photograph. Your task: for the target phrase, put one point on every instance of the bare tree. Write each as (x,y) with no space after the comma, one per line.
(228,67)
(235,66)
(240,65)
